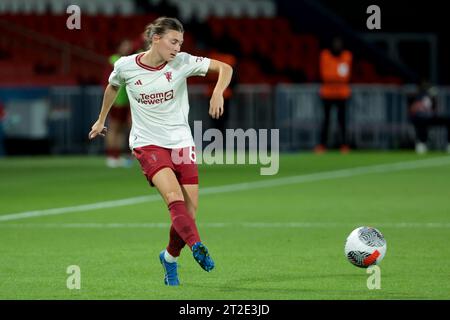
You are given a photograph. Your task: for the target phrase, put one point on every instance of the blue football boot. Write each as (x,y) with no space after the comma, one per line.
(170,271)
(201,255)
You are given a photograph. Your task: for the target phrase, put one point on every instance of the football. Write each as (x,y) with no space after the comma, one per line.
(365,246)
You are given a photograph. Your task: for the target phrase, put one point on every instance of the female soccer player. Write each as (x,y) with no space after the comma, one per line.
(160,136)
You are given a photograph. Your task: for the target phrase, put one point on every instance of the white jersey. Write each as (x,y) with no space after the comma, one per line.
(159,98)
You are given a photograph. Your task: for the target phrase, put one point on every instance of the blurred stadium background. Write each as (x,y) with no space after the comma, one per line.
(51,78)
(66,207)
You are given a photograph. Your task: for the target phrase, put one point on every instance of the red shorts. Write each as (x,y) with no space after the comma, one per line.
(120,114)
(182,161)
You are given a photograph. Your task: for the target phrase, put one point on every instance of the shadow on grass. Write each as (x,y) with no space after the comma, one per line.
(246,287)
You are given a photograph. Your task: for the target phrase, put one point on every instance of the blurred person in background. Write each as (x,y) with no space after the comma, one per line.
(423,115)
(140,43)
(335,71)
(160,137)
(2,134)
(120,118)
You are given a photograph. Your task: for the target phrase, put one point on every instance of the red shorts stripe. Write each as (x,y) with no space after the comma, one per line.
(182,161)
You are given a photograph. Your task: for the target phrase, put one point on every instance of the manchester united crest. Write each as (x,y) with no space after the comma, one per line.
(168,75)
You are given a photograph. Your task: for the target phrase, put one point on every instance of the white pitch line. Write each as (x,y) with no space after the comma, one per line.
(79,208)
(257,225)
(337,174)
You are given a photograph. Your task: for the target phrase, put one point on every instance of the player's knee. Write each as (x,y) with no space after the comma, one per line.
(172,196)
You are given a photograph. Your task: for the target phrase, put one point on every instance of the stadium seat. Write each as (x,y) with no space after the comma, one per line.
(201,10)
(268,8)
(89,7)
(185,8)
(57,7)
(268,41)
(220,9)
(237,9)
(216,27)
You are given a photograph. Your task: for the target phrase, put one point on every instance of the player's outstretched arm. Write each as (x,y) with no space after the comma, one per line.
(225,73)
(108,99)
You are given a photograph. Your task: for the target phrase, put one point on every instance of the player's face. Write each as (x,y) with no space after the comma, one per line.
(170,44)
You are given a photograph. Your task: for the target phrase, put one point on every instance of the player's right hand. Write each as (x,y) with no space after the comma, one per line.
(216,106)
(97,129)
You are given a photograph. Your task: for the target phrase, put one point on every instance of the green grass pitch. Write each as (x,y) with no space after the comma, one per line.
(276,242)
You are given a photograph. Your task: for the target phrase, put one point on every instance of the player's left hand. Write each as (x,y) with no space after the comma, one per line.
(216,106)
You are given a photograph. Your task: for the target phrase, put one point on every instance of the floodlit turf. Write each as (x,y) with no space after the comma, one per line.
(279,242)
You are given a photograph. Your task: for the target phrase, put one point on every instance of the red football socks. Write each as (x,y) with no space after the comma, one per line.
(113,152)
(183,225)
(176,243)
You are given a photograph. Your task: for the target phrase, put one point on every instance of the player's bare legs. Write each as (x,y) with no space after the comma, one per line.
(167,184)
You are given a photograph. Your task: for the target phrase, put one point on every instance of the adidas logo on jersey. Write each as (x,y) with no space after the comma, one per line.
(138,83)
